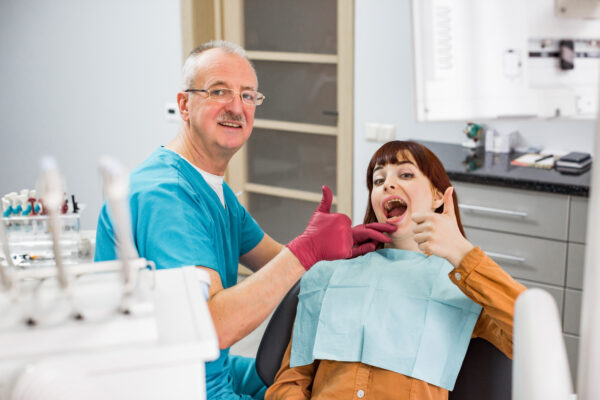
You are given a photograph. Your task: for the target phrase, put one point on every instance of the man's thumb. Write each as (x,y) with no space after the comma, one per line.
(326,200)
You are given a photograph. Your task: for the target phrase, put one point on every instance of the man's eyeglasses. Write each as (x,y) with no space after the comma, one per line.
(224,95)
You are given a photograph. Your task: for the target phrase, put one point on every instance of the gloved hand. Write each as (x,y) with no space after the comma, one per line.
(328,236)
(367,237)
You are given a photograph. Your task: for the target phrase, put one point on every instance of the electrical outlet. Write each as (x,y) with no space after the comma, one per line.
(585,105)
(172,112)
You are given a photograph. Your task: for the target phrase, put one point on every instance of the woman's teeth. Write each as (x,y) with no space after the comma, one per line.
(395,207)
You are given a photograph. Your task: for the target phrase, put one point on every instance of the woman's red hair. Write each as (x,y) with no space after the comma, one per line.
(396,151)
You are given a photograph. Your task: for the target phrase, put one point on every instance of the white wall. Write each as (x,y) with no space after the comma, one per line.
(79,79)
(384,92)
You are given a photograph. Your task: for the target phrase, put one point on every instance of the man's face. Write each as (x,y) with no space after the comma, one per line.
(221,127)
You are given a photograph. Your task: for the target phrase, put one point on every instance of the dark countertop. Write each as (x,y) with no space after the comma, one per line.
(464,165)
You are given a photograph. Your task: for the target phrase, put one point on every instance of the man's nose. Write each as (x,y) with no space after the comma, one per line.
(236,105)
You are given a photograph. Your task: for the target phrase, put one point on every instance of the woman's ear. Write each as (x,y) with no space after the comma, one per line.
(438,198)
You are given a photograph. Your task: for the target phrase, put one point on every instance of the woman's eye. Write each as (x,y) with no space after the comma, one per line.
(378,181)
(407,175)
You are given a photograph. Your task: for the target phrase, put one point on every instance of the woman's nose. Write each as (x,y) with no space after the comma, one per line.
(389,186)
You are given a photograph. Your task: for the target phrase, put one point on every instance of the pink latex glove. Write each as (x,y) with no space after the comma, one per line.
(328,236)
(367,237)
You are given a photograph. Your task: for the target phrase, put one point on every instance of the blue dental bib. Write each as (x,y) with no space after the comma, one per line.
(393,309)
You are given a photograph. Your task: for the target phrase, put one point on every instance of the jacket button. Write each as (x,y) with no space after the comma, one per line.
(360,394)
(457,276)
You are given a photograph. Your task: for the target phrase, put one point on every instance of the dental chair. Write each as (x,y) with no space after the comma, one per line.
(485,373)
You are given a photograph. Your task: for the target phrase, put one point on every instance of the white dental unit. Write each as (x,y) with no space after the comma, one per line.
(109,330)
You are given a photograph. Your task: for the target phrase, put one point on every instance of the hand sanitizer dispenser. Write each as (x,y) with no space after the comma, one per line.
(497,142)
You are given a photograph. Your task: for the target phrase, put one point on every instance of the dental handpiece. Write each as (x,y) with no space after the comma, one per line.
(5,272)
(116,190)
(52,189)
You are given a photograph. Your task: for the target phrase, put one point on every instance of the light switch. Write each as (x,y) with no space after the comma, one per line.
(377,132)
(371,131)
(386,132)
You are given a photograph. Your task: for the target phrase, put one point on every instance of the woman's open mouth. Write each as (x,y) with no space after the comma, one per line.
(394,208)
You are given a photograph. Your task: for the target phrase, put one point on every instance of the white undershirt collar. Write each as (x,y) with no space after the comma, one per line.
(214,181)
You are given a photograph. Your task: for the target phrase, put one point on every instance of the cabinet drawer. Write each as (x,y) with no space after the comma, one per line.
(523,257)
(578,219)
(572,311)
(575,261)
(512,210)
(556,292)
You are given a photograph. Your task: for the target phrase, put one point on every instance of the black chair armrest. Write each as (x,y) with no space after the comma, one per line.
(277,336)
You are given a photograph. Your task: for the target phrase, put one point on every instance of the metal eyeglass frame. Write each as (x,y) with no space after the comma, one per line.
(259,96)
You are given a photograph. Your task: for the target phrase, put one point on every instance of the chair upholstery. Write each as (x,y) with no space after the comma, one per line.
(277,336)
(485,373)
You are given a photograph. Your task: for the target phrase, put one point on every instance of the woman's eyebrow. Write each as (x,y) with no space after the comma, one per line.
(405,162)
(378,167)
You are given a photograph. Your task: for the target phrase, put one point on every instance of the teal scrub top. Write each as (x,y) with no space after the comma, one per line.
(178,220)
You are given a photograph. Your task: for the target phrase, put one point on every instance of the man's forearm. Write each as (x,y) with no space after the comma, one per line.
(239,310)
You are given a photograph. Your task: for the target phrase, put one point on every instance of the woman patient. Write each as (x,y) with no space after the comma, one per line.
(396,323)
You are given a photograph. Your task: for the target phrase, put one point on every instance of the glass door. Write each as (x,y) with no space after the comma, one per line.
(302,137)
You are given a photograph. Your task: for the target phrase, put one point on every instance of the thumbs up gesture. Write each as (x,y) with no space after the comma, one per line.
(328,235)
(439,234)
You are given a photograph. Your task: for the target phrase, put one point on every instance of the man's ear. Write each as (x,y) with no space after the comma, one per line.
(438,198)
(182,103)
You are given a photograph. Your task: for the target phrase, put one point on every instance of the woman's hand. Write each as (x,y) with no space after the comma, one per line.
(439,234)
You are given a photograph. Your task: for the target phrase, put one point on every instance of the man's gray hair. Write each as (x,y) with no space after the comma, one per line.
(190,67)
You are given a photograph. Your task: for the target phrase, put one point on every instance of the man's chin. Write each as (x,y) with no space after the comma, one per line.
(231,147)
(233,140)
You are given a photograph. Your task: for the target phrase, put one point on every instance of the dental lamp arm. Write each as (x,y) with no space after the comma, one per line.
(540,366)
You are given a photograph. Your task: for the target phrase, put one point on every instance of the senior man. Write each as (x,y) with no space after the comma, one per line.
(183,213)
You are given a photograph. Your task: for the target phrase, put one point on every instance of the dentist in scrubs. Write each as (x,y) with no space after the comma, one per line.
(183,213)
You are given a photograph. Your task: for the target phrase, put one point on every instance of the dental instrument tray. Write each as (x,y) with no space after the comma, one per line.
(31,242)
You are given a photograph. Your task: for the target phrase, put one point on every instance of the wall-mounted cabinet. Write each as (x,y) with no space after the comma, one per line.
(481,60)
